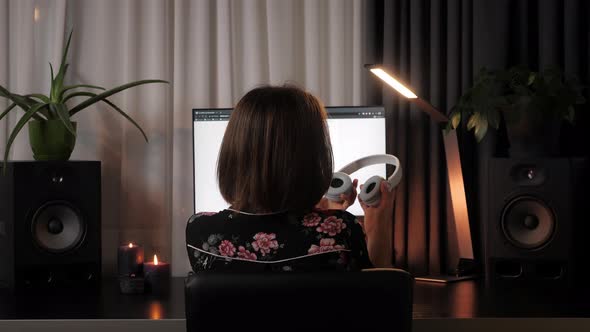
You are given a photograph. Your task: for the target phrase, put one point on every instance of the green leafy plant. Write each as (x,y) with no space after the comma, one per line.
(514,93)
(54,106)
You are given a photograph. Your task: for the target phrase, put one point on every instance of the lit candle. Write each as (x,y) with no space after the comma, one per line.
(157,276)
(130,259)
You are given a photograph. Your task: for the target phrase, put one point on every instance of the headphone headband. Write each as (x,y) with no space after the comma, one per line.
(342,184)
(370,160)
(376,159)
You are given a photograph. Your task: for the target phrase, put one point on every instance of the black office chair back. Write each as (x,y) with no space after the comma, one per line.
(360,301)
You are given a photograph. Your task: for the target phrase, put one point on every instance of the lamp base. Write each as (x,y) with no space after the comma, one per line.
(467,269)
(444,279)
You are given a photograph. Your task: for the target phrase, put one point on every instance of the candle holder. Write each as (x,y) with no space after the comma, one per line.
(131,284)
(130,260)
(157,277)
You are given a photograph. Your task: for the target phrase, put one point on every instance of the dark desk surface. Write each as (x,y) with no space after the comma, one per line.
(466,299)
(109,303)
(471,299)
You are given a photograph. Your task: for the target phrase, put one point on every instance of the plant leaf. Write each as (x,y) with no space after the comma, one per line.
(126,117)
(42,98)
(63,68)
(109,93)
(19,100)
(531,79)
(28,101)
(473,121)
(51,70)
(14,98)
(22,101)
(455,120)
(52,88)
(19,125)
(70,87)
(79,94)
(65,54)
(115,107)
(493,118)
(448,126)
(64,116)
(481,129)
(59,83)
(7,110)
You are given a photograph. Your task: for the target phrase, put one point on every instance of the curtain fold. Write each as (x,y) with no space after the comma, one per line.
(437,46)
(210,51)
(412,50)
(3,66)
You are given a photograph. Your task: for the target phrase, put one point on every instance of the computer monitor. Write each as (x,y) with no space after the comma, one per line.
(355,132)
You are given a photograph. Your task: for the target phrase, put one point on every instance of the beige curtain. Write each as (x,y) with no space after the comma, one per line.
(211,52)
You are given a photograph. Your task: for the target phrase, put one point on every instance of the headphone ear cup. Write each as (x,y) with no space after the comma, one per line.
(340,184)
(371,192)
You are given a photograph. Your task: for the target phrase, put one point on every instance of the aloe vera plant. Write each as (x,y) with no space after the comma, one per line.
(54,106)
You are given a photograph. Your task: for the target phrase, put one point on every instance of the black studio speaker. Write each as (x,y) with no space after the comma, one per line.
(50,229)
(531,219)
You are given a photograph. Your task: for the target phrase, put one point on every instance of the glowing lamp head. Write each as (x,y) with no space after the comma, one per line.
(130,245)
(155,260)
(382,74)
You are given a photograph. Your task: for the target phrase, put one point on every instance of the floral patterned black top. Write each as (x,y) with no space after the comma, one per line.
(318,240)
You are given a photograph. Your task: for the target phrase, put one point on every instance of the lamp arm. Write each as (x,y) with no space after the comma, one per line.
(460,223)
(433,112)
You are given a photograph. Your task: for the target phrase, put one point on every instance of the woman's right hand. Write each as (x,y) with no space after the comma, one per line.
(346,200)
(378,226)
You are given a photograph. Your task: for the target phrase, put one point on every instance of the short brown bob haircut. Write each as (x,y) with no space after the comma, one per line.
(276,153)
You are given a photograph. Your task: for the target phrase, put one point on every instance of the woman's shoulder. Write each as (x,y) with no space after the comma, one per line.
(202,220)
(202,216)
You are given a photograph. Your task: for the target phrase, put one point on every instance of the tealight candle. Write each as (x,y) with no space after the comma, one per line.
(130,260)
(157,276)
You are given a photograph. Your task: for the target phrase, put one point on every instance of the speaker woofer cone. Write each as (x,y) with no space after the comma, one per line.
(58,227)
(528,222)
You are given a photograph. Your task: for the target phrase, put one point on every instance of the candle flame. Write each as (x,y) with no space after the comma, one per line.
(130,245)
(155,260)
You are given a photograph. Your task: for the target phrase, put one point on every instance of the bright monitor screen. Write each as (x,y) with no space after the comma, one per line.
(355,132)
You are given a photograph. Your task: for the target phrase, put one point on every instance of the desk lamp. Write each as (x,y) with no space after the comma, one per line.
(460,223)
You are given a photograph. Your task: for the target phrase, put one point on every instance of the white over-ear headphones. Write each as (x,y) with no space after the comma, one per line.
(371,192)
